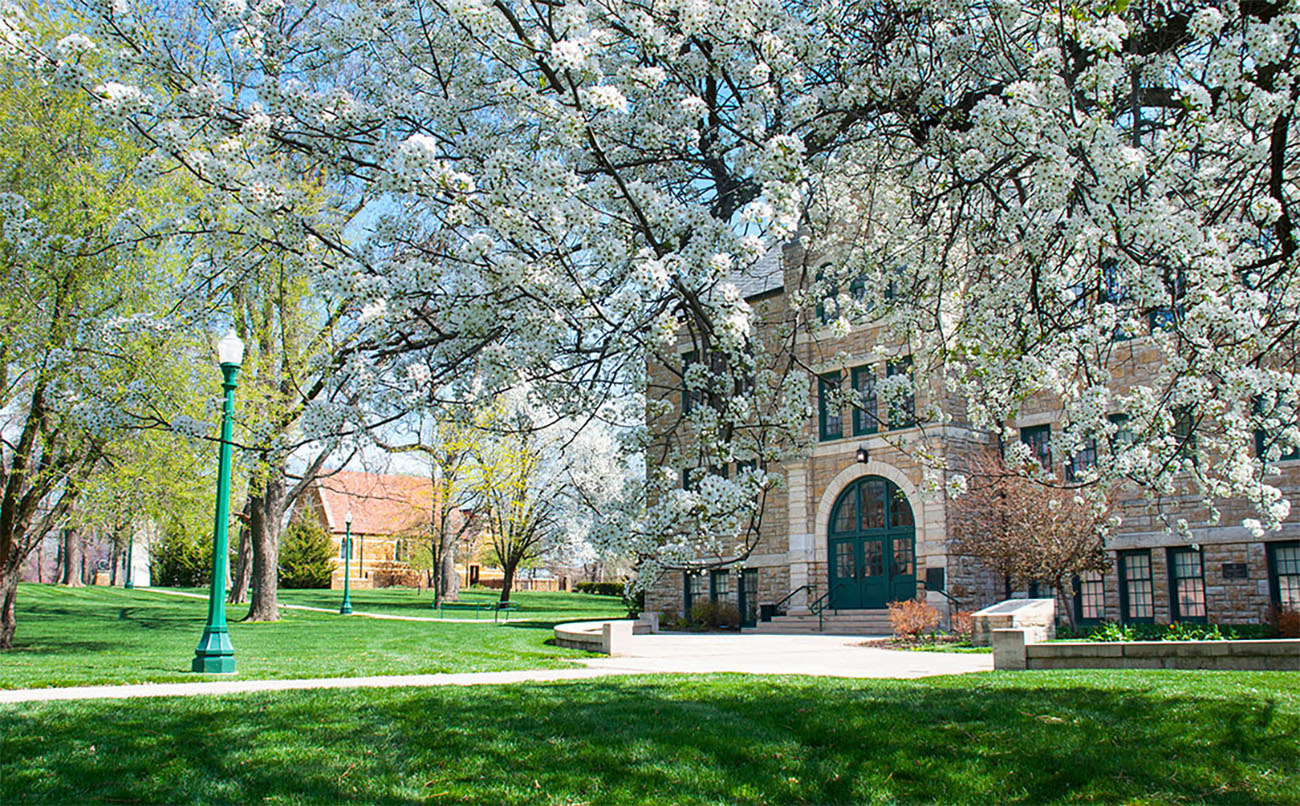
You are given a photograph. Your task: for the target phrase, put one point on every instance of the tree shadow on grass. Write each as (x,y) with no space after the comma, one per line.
(727,738)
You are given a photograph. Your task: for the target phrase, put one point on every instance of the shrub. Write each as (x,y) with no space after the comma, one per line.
(961,624)
(306,557)
(634,602)
(181,559)
(1286,622)
(600,588)
(912,618)
(715,615)
(1113,632)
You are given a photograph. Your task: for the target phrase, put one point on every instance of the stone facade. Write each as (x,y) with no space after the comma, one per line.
(791,556)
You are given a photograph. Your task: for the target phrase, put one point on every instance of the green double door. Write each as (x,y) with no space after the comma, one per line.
(872,545)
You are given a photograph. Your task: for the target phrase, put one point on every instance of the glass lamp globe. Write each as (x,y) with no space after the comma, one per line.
(230,350)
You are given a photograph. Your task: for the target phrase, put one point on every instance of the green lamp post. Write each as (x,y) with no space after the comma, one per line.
(215,653)
(346,549)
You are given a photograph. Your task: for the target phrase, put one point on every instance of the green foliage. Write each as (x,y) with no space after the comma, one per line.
(306,556)
(102,635)
(1172,632)
(182,558)
(715,615)
(600,588)
(1146,736)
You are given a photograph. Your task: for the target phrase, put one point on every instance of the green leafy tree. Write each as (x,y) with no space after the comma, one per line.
(82,277)
(307,557)
(182,558)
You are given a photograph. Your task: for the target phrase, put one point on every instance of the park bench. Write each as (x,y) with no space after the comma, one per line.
(496,608)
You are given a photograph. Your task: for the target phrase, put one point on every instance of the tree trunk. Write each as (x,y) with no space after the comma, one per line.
(450,579)
(243,563)
(266,513)
(58,562)
(114,558)
(507,580)
(74,546)
(8,594)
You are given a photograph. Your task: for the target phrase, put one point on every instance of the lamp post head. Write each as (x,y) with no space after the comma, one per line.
(230,350)
(347,518)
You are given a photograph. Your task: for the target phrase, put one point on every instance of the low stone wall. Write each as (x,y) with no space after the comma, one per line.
(1012,651)
(610,637)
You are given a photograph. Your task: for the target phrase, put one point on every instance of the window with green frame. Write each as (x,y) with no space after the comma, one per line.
(830,414)
(1185,424)
(866,416)
(692,590)
(690,397)
(828,304)
(1284,574)
(1137,594)
(1169,316)
(1039,440)
(1186,584)
(1123,436)
(1266,440)
(720,585)
(1111,290)
(902,411)
(1089,598)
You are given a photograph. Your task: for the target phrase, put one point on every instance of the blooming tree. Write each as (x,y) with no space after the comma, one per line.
(551,192)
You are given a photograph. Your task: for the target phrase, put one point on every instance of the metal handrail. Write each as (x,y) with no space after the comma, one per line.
(820,604)
(777,607)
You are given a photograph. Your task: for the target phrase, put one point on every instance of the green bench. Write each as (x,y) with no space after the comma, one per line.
(496,608)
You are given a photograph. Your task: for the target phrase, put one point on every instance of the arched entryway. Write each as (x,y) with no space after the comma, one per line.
(872,542)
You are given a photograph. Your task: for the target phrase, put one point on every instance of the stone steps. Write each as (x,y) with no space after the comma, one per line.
(844,622)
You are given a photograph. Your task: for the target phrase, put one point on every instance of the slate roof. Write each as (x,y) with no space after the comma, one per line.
(767,274)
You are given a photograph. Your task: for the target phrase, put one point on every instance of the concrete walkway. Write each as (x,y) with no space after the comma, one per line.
(820,655)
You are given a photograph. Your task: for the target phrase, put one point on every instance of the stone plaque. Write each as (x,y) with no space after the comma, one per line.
(1235,571)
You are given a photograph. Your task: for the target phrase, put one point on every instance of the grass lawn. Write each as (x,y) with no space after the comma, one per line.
(552,608)
(1030,737)
(81,636)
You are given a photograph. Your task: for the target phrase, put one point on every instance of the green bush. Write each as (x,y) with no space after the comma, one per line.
(306,557)
(715,615)
(600,588)
(1178,632)
(181,559)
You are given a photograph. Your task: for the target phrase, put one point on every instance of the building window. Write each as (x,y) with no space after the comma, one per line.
(690,397)
(1266,440)
(1082,461)
(902,409)
(1123,436)
(829,413)
(1113,291)
(1039,440)
(1136,591)
(720,585)
(1184,433)
(693,590)
(1089,598)
(828,306)
(1186,585)
(865,416)
(1167,317)
(1284,574)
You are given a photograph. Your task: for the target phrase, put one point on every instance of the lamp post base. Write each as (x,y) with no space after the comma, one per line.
(214,654)
(346,609)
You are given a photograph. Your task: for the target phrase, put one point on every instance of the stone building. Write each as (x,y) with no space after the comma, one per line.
(850,529)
